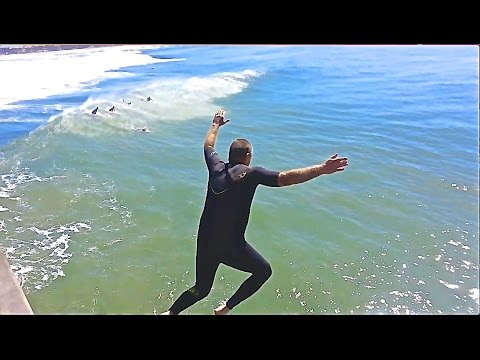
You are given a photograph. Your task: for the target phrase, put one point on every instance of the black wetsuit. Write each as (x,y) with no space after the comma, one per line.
(221,232)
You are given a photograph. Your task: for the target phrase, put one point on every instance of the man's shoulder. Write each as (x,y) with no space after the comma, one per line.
(257,169)
(211,152)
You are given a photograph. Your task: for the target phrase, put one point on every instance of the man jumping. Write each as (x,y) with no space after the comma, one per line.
(221,232)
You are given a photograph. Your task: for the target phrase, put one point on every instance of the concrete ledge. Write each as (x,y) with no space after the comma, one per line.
(12,298)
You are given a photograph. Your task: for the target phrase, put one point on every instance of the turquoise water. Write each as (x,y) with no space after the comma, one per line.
(97,218)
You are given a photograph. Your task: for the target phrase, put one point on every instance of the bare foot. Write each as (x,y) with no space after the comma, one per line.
(222,309)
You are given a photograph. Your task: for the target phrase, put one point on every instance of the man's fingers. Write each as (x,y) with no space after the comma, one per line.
(338,163)
(220,114)
(337,160)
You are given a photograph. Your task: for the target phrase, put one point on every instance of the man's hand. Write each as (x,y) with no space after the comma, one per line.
(335,164)
(219,118)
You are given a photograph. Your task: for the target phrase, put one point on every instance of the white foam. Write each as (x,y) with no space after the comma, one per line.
(450,286)
(9,250)
(474,295)
(40,75)
(41,232)
(175,99)
(44,256)
(13,179)
(183,99)
(24,270)
(2,208)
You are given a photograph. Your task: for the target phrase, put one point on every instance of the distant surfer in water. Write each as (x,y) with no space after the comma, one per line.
(95,110)
(221,232)
(144,129)
(112,108)
(149,98)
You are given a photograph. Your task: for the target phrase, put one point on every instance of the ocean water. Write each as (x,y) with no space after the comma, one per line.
(98,218)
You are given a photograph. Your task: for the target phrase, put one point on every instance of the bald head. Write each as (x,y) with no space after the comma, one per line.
(240,152)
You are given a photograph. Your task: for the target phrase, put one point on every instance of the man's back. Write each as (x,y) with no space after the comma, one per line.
(231,188)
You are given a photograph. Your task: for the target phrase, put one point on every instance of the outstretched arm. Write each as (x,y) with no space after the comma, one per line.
(298,176)
(218,120)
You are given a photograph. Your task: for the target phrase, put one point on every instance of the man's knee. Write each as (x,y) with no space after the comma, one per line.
(199,292)
(265,271)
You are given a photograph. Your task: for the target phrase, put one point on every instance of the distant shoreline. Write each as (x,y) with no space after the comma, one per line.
(9,49)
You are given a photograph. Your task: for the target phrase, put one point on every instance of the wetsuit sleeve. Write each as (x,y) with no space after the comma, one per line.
(265,177)
(212,159)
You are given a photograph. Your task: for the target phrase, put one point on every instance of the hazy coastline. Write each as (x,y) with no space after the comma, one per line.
(9,49)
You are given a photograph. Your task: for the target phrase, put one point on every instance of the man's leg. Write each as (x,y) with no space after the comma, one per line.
(249,260)
(205,268)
